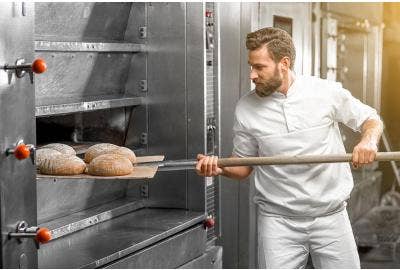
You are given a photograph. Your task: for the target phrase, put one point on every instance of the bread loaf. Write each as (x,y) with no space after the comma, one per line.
(62,165)
(123,151)
(44,153)
(98,149)
(110,165)
(62,148)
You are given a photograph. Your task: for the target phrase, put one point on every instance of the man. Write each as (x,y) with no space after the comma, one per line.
(302,208)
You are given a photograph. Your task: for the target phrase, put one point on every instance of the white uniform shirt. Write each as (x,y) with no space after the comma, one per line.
(302,123)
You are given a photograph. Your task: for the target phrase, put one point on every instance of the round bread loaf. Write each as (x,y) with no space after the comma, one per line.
(110,165)
(123,151)
(62,165)
(98,149)
(44,153)
(62,148)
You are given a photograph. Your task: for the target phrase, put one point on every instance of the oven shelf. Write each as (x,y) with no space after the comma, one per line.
(67,46)
(78,221)
(119,237)
(86,106)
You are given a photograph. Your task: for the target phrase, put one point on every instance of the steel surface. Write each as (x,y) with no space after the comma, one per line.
(111,240)
(17,96)
(188,244)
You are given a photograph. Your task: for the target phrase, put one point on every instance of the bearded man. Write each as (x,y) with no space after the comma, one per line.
(301,208)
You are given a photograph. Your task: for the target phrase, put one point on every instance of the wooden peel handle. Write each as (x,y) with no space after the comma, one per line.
(303,159)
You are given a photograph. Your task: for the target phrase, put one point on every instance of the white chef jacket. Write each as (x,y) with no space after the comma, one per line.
(304,122)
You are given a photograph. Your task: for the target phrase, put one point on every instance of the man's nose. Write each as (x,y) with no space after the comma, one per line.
(253,75)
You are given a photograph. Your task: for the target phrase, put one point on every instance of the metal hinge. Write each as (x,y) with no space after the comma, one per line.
(144,191)
(143,85)
(143,138)
(143,32)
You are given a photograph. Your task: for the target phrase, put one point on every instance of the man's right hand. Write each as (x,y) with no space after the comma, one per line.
(207,165)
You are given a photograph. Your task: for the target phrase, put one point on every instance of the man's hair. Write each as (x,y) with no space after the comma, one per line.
(278,42)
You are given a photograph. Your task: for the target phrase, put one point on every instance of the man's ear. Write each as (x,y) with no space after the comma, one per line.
(285,62)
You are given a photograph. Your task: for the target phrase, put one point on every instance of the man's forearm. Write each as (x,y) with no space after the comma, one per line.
(240,172)
(371,131)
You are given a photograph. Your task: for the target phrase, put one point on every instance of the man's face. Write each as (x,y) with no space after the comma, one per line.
(264,73)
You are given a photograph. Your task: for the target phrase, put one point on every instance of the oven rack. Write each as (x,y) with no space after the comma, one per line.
(89,217)
(77,46)
(88,104)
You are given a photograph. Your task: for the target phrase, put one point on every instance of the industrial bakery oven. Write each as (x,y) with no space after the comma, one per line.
(140,75)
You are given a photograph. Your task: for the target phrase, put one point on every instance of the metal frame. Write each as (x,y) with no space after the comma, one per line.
(18,183)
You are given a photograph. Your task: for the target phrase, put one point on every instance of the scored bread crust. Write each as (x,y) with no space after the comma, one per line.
(97,150)
(44,153)
(62,165)
(110,165)
(62,148)
(123,151)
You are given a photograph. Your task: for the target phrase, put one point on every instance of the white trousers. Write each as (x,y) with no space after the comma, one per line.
(287,242)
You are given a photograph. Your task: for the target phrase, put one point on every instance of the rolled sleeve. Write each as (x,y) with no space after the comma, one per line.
(351,111)
(244,144)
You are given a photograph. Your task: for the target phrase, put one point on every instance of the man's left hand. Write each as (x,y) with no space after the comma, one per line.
(364,153)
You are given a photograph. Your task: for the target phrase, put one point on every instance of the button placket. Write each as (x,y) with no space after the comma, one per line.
(285,114)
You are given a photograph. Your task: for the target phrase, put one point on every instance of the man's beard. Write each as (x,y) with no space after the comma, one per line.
(267,88)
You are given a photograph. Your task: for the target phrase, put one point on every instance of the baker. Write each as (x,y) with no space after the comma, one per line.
(301,208)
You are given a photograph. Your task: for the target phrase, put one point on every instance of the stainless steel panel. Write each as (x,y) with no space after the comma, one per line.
(211,259)
(247,211)
(18,184)
(137,19)
(76,76)
(137,124)
(86,21)
(137,117)
(64,197)
(196,91)
(230,37)
(58,46)
(109,241)
(167,103)
(167,254)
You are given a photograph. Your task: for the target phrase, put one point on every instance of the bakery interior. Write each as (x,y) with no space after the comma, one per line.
(159,81)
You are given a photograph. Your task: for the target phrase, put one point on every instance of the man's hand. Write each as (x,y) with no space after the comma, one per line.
(207,165)
(364,153)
